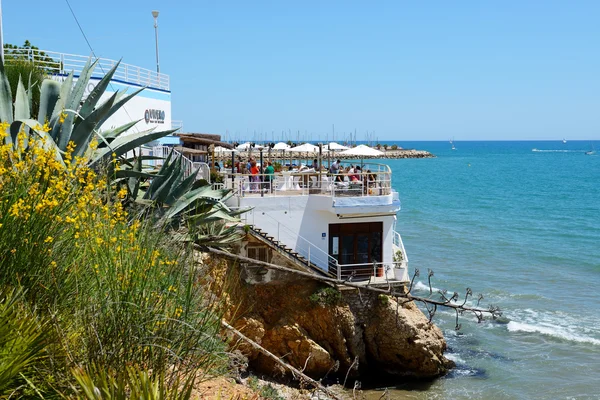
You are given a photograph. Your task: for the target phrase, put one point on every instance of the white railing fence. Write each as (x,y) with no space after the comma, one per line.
(189,167)
(400,255)
(288,184)
(56,63)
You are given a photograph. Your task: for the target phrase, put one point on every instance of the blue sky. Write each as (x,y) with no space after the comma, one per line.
(398,70)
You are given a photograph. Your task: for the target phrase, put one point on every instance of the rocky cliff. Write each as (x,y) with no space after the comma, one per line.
(326,332)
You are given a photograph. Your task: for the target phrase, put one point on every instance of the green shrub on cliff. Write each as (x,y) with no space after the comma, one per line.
(326,296)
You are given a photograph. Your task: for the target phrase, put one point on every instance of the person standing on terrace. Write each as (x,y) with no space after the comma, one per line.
(269,174)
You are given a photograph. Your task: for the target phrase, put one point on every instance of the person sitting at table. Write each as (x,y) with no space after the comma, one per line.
(355,175)
(315,165)
(371,178)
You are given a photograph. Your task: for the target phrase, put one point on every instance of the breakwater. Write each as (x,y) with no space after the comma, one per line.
(275,155)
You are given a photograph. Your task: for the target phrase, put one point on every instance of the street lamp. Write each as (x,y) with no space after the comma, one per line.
(155,15)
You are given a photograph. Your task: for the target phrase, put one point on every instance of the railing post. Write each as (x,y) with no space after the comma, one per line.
(309,254)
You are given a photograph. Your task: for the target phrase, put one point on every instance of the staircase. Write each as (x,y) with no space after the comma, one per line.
(189,166)
(292,255)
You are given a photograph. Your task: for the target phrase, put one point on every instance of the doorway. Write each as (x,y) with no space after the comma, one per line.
(356,243)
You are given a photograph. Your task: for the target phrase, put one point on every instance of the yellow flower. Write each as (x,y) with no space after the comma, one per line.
(63,116)
(49,239)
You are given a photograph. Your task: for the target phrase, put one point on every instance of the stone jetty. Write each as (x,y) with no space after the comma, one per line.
(275,155)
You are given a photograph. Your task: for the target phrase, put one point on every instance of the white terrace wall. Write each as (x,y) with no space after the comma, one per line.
(285,217)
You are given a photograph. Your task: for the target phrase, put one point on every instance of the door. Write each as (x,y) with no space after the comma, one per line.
(356,245)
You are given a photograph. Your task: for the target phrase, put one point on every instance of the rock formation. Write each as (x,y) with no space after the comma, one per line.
(313,333)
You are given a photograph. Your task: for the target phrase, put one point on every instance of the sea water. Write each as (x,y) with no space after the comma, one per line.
(521,227)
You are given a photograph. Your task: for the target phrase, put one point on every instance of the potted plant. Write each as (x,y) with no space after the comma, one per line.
(399,269)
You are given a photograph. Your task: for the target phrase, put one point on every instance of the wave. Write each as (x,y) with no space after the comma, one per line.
(555,324)
(557,151)
(421,286)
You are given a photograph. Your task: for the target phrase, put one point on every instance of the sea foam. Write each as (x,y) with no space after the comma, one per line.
(551,330)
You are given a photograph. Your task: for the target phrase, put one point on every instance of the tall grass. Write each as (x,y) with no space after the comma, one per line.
(118,292)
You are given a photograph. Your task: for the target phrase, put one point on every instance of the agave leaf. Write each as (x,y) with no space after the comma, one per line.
(65,89)
(133,182)
(163,174)
(14,129)
(93,98)
(182,188)
(6,114)
(123,144)
(128,173)
(115,132)
(159,190)
(49,144)
(118,104)
(204,193)
(84,132)
(76,95)
(49,94)
(30,94)
(21,102)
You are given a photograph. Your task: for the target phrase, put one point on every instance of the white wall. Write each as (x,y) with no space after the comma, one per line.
(297,220)
(134,109)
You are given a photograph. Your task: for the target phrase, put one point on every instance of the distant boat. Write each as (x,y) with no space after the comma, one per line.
(564,140)
(453,148)
(590,152)
(452,143)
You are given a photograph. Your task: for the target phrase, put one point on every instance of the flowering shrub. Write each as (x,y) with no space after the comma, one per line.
(117,292)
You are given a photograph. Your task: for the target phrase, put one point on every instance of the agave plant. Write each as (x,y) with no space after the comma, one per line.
(176,199)
(65,116)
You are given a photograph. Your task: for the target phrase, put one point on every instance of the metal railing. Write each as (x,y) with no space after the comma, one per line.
(367,271)
(55,63)
(400,255)
(189,167)
(311,183)
(311,252)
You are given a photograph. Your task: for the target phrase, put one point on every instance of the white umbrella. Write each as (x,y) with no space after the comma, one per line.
(244,146)
(220,149)
(362,150)
(336,146)
(281,146)
(306,148)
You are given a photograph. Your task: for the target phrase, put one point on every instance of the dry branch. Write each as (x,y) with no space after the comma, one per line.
(278,360)
(478,312)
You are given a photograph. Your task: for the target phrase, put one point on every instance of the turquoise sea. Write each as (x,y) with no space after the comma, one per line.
(521,227)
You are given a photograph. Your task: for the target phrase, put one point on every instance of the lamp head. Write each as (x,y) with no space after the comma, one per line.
(155,13)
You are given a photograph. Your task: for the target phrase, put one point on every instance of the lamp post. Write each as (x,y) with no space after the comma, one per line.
(1,41)
(155,15)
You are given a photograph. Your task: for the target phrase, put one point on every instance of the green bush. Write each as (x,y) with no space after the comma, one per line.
(117,292)
(394,147)
(326,296)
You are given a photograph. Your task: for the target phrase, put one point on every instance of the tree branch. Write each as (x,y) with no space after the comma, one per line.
(493,311)
(272,356)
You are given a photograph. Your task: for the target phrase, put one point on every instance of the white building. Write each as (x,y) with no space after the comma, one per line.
(345,229)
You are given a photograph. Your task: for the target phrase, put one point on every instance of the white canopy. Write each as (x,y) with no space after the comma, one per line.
(281,146)
(248,145)
(244,146)
(362,150)
(220,149)
(307,148)
(336,146)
